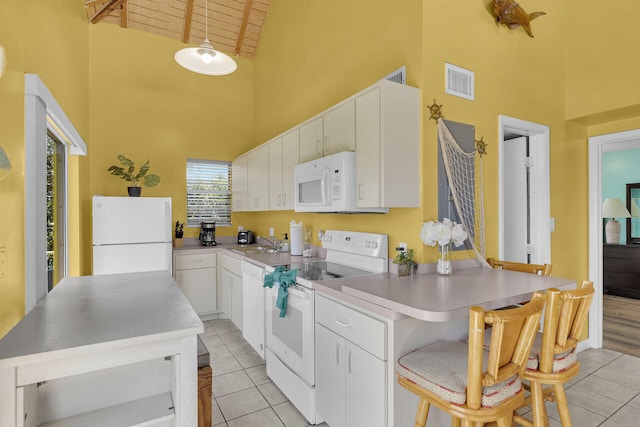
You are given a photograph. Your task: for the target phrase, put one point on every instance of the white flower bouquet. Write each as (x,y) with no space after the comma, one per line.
(443,233)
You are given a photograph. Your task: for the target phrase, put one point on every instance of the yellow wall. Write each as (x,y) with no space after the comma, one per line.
(50,40)
(125,94)
(145,106)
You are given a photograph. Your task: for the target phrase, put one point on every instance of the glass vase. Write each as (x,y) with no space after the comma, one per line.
(444,266)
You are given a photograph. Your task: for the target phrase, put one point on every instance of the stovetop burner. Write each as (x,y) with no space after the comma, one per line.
(322,270)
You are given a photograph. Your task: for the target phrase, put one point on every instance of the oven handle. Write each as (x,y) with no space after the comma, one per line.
(298,293)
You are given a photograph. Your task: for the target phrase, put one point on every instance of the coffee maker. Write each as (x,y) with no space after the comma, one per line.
(208,233)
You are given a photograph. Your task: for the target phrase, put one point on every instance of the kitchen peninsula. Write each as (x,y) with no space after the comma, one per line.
(389,316)
(103,350)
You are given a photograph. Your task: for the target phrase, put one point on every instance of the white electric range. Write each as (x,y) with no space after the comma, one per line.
(290,340)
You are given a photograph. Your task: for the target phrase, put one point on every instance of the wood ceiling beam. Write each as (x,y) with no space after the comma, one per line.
(243,25)
(123,15)
(106,9)
(89,3)
(188,14)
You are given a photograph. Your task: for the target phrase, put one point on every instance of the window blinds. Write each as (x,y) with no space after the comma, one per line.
(208,192)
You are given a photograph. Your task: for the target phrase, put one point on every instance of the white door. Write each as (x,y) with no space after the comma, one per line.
(516,200)
(199,286)
(539,207)
(340,129)
(366,387)
(311,136)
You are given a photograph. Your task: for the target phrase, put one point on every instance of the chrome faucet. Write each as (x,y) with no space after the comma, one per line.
(275,244)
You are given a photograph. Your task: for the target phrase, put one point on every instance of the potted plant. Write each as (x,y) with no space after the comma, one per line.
(128,172)
(406,262)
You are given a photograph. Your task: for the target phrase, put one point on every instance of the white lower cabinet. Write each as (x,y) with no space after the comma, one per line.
(196,276)
(351,382)
(231,289)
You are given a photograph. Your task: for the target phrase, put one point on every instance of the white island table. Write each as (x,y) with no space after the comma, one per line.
(103,350)
(419,310)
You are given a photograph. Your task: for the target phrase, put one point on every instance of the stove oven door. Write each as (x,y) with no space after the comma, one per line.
(291,338)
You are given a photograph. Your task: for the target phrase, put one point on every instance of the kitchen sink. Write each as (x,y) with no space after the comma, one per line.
(254,250)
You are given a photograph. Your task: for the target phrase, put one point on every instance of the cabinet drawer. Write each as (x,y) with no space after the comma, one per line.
(232,264)
(187,262)
(359,328)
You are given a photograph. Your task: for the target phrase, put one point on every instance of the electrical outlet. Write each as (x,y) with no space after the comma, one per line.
(240,228)
(402,247)
(271,232)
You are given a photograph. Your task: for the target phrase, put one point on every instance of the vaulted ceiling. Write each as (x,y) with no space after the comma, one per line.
(234,26)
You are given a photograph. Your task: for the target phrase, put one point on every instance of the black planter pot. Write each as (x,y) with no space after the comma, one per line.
(134,191)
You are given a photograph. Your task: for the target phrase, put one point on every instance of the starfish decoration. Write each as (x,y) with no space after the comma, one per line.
(435,111)
(481,146)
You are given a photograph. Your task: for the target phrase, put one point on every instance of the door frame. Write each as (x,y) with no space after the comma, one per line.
(598,145)
(540,184)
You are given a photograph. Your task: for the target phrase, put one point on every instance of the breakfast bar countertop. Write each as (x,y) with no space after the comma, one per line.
(435,298)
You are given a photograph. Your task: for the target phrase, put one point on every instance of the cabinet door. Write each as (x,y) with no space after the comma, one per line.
(339,129)
(226,290)
(311,136)
(290,156)
(366,388)
(368,166)
(239,184)
(199,286)
(258,179)
(330,376)
(275,174)
(236,301)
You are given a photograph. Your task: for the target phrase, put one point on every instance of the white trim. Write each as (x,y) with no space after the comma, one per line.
(40,106)
(597,146)
(540,182)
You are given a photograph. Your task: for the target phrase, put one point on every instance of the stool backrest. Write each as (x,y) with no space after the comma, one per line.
(539,269)
(564,319)
(512,335)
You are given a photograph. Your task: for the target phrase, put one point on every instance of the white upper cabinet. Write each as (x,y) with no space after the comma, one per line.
(258,178)
(331,132)
(239,188)
(388,146)
(311,140)
(283,156)
(340,128)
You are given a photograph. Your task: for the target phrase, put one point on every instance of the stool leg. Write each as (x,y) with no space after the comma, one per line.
(537,405)
(563,407)
(455,422)
(423,412)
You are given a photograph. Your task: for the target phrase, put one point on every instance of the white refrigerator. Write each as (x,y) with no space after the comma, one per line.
(131,234)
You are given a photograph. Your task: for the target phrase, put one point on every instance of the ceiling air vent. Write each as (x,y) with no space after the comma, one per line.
(398,76)
(459,82)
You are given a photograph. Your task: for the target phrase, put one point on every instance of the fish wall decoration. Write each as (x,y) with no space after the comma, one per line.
(510,14)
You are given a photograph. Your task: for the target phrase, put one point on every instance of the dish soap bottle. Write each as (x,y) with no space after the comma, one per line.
(285,244)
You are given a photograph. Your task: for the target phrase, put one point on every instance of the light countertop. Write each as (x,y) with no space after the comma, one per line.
(96,310)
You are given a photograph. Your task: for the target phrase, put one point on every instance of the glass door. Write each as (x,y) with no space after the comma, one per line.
(56,212)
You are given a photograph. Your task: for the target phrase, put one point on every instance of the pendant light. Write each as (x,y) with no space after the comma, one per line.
(204,59)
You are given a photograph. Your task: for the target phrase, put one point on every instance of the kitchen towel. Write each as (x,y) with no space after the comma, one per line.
(283,279)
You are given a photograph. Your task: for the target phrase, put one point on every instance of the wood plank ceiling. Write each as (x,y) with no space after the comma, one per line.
(234,25)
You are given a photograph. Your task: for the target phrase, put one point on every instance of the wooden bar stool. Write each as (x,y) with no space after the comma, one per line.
(555,350)
(539,269)
(472,385)
(204,386)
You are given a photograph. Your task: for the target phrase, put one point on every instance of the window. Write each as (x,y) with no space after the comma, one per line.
(56,210)
(208,192)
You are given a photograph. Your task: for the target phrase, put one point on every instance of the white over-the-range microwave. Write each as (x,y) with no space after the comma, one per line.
(328,184)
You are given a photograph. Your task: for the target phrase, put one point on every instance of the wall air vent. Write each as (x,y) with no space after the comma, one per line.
(459,82)
(398,76)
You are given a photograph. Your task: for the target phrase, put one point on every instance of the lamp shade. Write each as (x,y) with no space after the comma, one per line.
(204,59)
(613,208)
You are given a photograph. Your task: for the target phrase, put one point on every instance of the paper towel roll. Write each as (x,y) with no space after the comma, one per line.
(296,237)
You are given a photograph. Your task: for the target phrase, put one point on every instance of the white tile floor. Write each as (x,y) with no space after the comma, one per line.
(605,393)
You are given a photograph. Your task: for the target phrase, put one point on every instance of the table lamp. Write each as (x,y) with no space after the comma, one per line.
(613,208)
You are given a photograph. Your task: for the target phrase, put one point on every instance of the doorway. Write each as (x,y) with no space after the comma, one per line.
(524,216)
(598,145)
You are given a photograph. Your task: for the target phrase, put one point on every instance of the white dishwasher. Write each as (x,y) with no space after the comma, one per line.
(253,329)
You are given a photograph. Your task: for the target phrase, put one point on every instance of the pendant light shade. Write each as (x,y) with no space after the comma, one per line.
(204,59)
